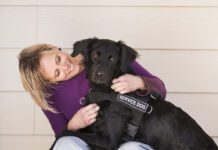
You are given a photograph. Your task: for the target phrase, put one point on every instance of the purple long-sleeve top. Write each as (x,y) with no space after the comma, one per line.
(67,96)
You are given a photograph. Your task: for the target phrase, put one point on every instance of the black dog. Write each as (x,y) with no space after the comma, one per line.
(165,127)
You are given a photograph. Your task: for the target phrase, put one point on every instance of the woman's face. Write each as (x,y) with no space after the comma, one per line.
(56,65)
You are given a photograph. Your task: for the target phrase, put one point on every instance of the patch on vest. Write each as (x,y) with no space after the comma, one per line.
(133,102)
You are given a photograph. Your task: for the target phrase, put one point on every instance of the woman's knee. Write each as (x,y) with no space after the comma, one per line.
(70,143)
(135,146)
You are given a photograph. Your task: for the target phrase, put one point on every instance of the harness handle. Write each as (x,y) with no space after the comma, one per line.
(150,109)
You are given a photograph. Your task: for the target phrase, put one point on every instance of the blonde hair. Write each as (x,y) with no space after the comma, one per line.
(32,80)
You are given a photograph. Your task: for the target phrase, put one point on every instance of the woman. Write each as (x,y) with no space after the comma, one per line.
(57,83)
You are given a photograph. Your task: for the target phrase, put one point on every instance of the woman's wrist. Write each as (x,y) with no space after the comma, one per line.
(141,85)
(144,88)
(71,126)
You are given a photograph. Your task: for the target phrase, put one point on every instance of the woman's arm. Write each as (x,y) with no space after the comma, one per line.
(145,83)
(81,119)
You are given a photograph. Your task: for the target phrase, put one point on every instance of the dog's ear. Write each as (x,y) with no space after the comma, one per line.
(82,47)
(128,55)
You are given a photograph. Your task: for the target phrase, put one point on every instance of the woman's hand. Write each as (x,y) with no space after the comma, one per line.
(127,83)
(83,117)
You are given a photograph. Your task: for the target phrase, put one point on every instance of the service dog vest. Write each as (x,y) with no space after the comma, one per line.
(139,105)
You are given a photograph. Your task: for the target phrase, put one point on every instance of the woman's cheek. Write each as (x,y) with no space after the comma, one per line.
(65,76)
(62,77)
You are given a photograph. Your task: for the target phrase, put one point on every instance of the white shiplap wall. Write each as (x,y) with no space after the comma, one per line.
(177,41)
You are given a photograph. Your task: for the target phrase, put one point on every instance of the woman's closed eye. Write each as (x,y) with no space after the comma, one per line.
(57,59)
(57,73)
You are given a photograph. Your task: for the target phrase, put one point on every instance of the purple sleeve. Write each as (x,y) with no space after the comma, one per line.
(154,86)
(57,121)
(65,98)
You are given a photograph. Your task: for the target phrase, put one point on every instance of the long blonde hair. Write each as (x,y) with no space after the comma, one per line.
(32,80)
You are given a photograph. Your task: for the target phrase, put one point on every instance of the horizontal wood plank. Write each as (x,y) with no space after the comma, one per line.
(18,26)
(10,80)
(16,113)
(183,71)
(23,142)
(112,2)
(154,28)
(144,28)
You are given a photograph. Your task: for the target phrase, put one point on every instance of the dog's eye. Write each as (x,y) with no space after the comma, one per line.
(95,56)
(111,59)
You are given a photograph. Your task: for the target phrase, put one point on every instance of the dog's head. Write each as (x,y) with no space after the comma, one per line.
(104,58)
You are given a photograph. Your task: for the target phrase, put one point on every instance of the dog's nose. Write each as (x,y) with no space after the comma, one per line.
(99,74)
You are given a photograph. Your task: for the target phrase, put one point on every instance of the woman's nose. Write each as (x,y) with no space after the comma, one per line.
(64,67)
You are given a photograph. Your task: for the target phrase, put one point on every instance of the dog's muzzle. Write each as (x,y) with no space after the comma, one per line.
(100,77)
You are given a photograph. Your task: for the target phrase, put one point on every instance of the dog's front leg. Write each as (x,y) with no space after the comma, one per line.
(116,124)
(114,136)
